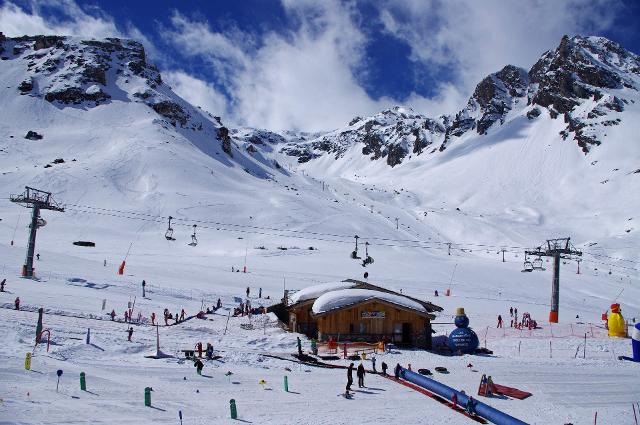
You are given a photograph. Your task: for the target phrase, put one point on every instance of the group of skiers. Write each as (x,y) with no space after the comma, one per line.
(526,322)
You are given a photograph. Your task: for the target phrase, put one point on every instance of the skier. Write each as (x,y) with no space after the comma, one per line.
(130,333)
(166,317)
(113,315)
(471,406)
(260,293)
(182,315)
(384,368)
(300,346)
(489,386)
(396,371)
(177,317)
(126,316)
(435,293)
(17,303)
(499,321)
(349,379)
(38,257)
(2,285)
(511,311)
(105,263)
(248,290)
(198,365)
(153,318)
(143,285)
(373,364)
(219,304)
(209,352)
(361,372)
(199,348)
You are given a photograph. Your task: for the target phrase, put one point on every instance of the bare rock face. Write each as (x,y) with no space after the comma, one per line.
(32,135)
(172,111)
(26,85)
(578,70)
(223,135)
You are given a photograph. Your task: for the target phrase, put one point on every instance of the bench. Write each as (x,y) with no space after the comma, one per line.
(189,354)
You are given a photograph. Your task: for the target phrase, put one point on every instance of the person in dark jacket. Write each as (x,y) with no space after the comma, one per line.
(384,368)
(130,333)
(396,371)
(2,285)
(17,303)
(199,365)
(349,378)
(361,372)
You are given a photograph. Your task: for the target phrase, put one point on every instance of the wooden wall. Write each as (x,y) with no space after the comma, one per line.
(350,324)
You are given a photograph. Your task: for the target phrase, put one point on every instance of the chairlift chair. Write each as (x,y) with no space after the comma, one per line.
(367,259)
(537,264)
(169,233)
(194,240)
(354,254)
(528,266)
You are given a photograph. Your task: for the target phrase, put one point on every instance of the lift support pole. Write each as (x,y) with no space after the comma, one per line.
(36,200)
(558,249)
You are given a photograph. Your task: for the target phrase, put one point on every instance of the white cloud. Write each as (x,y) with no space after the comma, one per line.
(301,80)
(16,21)
(197,92)
(475,38)
(310,77)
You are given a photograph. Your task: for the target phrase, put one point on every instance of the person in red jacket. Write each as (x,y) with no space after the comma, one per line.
(17,303)
(199,346)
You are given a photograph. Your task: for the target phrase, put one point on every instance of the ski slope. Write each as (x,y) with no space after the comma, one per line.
(515,187)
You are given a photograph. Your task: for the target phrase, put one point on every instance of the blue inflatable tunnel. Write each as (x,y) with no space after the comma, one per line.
(484,410)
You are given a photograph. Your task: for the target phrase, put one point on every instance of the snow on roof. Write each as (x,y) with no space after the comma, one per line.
(312,292)
(344,297)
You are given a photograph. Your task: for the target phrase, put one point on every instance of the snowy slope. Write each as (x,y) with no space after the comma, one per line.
(136,164)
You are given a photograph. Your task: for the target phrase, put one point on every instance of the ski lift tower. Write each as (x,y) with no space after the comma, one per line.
(556,248)
(36,200)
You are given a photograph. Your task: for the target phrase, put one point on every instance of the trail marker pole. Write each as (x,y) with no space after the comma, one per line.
(286,387)
(88,335)
(59,373)
(584,349)
(27,361)
(550,351)
(234,410)
(225,326)
(147,396)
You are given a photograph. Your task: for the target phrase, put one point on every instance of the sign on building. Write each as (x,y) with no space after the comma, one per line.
(372,315)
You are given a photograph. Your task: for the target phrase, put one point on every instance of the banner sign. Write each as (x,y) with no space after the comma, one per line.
(372,314)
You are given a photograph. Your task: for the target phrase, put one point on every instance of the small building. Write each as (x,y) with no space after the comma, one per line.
(353,310)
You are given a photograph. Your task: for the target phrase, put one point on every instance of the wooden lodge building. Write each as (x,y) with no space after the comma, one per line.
(354,310)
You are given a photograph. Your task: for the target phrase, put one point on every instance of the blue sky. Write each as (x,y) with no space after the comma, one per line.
(311,65)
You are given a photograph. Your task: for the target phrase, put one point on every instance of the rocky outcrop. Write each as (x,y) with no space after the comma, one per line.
(171,111)
(223,135)
(26,85)
(32,135)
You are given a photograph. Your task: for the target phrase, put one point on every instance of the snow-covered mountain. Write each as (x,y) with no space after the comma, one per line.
(585,81)
(93,122)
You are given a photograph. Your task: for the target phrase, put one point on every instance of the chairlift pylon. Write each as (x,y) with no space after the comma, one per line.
(194,240)
(169,233)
